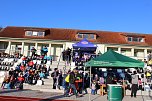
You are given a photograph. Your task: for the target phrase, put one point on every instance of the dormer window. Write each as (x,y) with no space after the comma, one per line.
(35,33)
(80,36)
(91,36)
(135,39)
(86,36)
(40,33)
(141,39)
(130,39)
(28,33)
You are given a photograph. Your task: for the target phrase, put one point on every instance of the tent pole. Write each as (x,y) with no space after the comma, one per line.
(90,86)
(83,76)
(144,78)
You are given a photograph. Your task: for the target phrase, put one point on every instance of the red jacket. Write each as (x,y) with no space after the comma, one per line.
(21,79)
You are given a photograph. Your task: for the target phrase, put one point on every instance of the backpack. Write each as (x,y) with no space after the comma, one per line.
(52,74)
(67,78)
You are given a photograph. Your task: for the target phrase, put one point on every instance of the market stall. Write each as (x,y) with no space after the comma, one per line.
(113,60)
(83,51)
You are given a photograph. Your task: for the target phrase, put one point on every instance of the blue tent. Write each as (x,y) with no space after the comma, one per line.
(84,45)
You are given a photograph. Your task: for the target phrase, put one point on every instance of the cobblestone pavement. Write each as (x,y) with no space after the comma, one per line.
(59,96)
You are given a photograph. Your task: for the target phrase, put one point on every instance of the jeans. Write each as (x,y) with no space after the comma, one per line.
(54,83)
(134,89)
(93,91)
(73,88)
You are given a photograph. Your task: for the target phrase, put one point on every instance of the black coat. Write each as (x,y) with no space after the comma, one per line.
(72,78)
(109,80)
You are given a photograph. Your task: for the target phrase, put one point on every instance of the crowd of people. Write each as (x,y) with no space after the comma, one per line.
(72,81)
(137,79)
(31,69)
(76,56)
(76,82)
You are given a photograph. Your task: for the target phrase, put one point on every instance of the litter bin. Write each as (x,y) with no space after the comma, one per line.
(115,92)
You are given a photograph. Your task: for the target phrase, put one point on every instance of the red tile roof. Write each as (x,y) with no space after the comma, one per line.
(105,37)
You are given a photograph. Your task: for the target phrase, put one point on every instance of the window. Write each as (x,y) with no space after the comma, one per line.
(80,36)
(35,33)
(135,53)
(5,46)
(123,51)
(86,35)
(40,33)
(92,36)
(28,33)
(141,39)
(129,39)
(135,39)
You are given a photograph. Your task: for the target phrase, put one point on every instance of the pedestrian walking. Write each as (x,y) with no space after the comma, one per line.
(72,78)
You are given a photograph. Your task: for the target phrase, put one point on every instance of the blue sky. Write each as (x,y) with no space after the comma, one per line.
(109,15)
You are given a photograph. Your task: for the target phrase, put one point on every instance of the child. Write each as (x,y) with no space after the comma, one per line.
(140,84)
(6,83)
(93,87)
(19,83)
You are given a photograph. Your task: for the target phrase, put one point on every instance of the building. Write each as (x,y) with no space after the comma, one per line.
(21,39)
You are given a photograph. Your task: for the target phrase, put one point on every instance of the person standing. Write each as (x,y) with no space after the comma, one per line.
(66,82)
(134,87)
(45,50)
(55,77)
(86,83)
(60,79)
(33,50)
(93,87)
(140,84)
(109,80)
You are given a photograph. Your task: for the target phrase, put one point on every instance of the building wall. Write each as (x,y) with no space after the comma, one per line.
(136,52)
(69,45)
(56,48)
(26,49)
(100,48)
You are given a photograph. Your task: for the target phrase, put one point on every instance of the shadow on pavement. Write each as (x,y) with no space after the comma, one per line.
(12,90)
(56,98)
(96,98)
(150,94)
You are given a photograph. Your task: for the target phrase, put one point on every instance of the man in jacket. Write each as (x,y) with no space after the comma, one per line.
(55,77)
(134,87)
(72,79)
